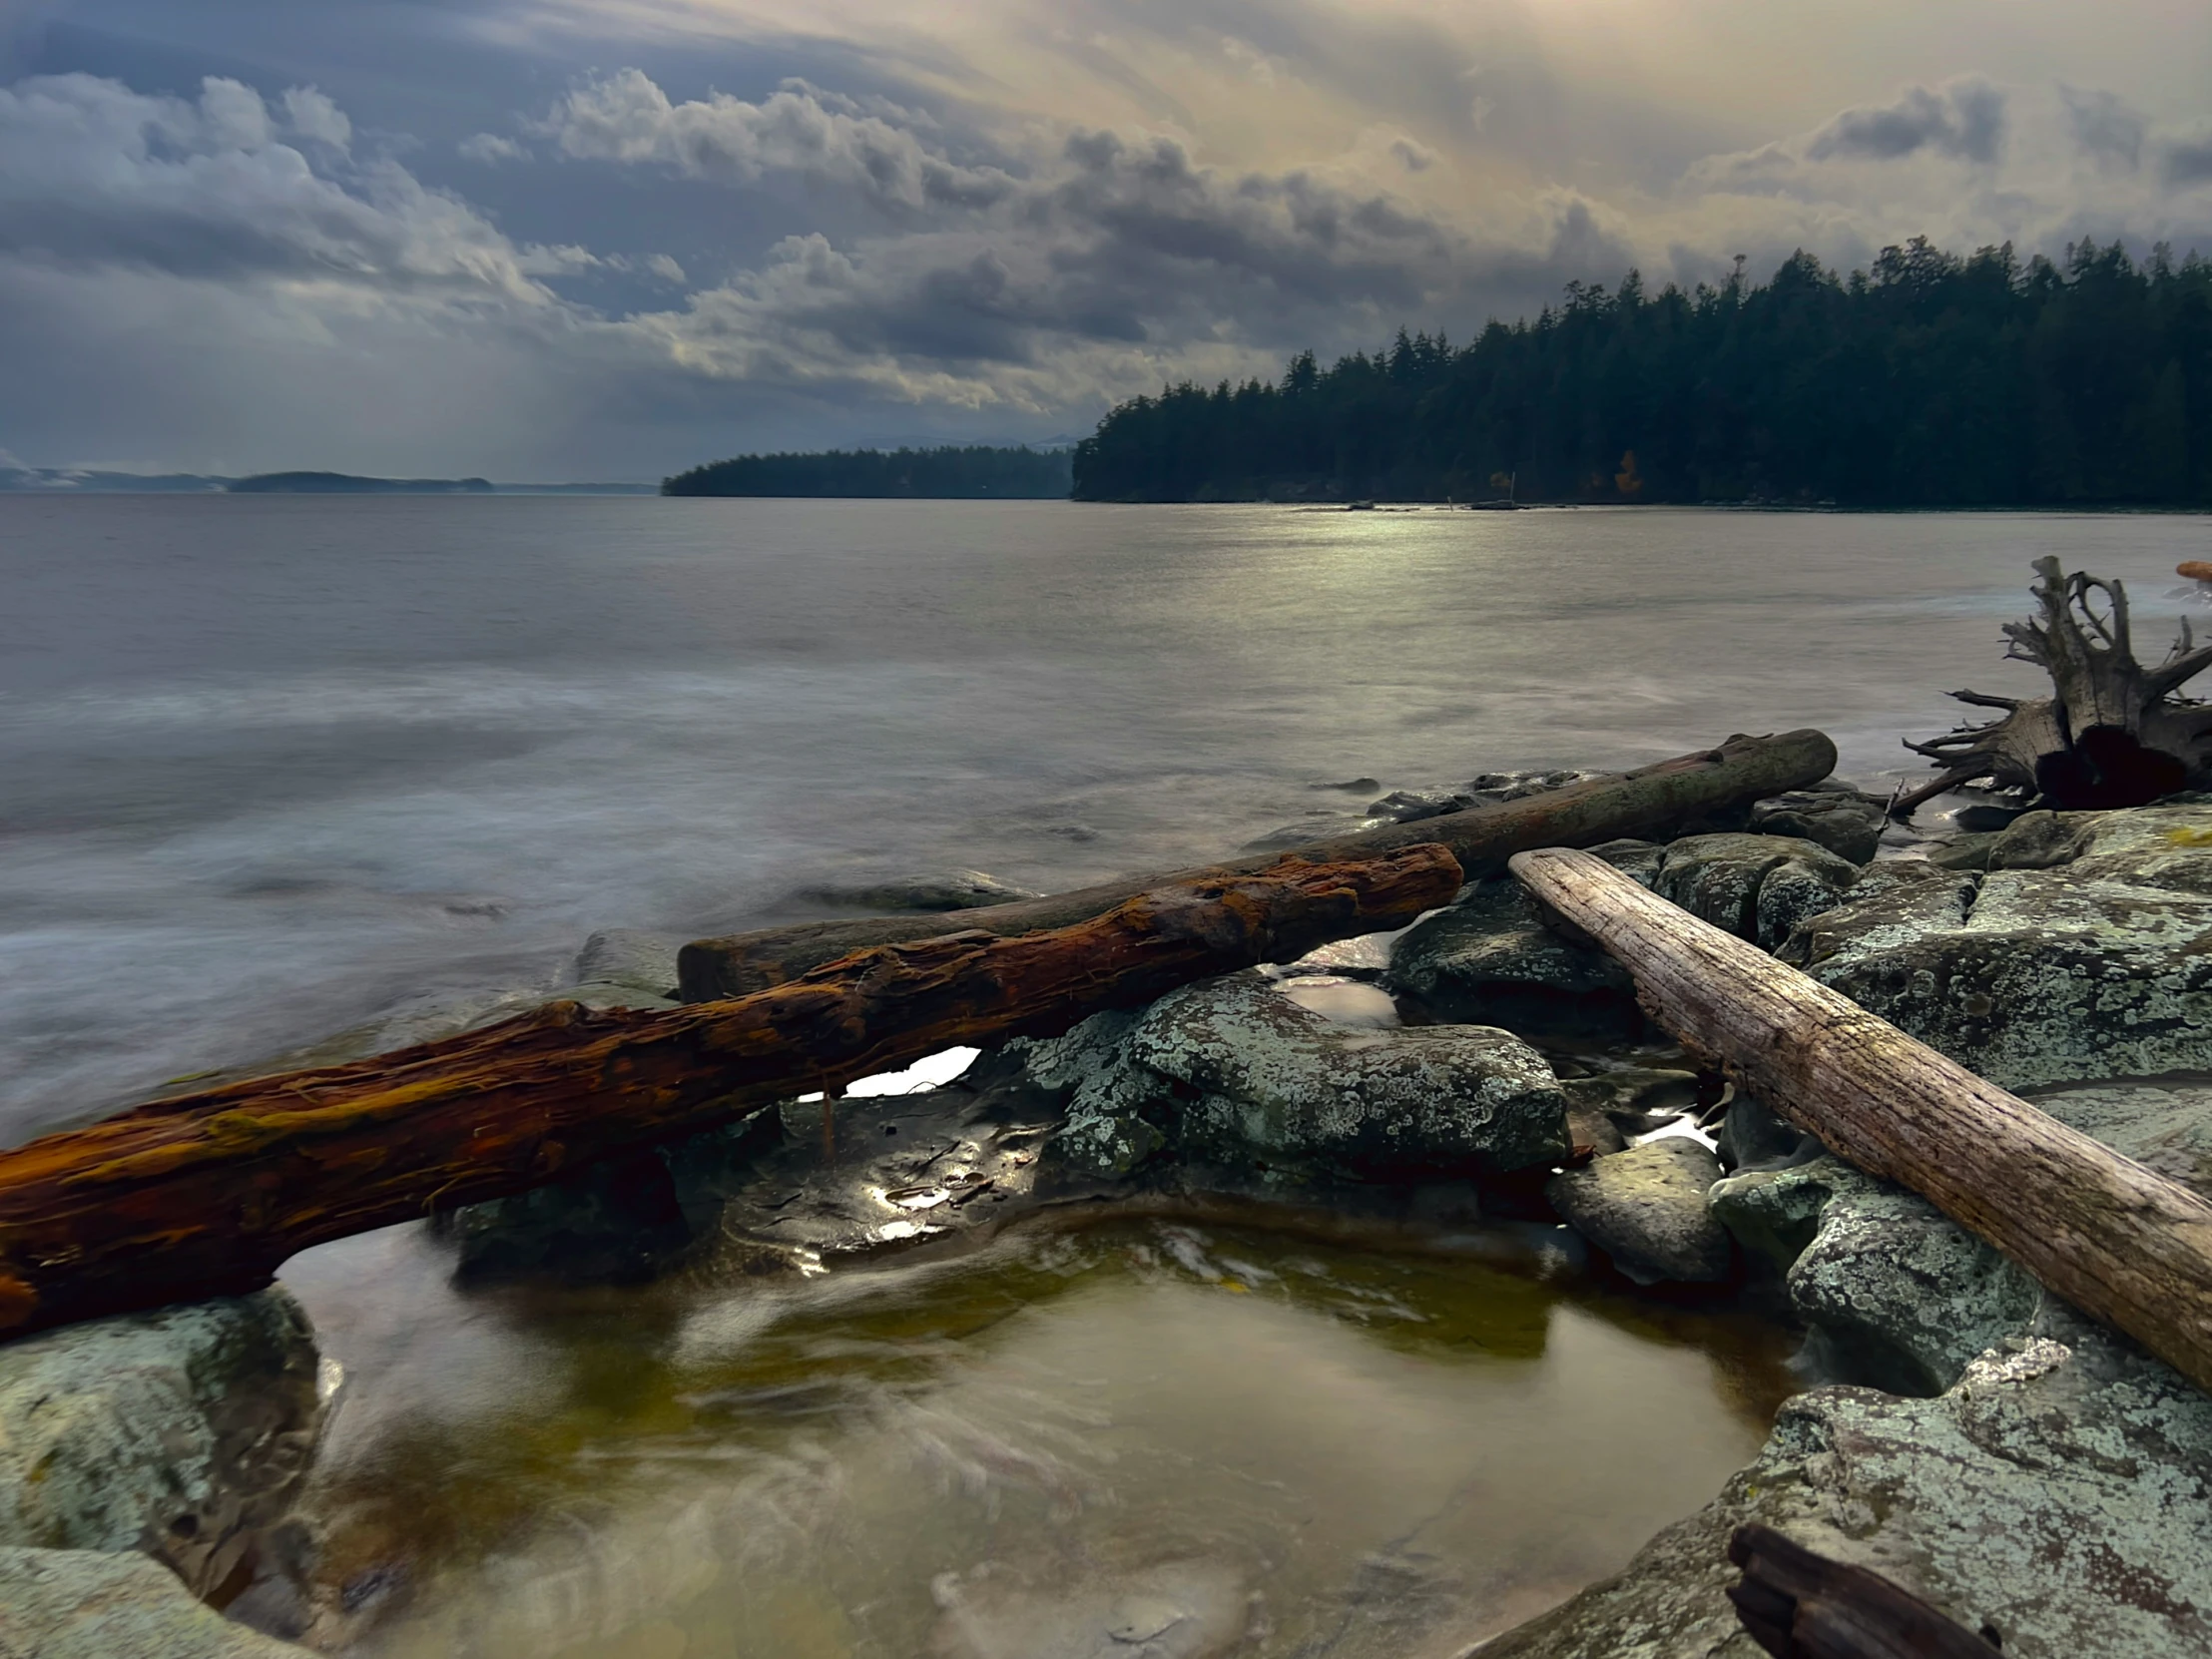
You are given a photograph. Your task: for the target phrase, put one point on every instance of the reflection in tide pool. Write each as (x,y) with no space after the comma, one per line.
(1141,1438)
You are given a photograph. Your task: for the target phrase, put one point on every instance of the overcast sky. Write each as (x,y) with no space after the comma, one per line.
(610,239)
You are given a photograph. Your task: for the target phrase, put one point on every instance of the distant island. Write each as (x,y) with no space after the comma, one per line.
(1926,380)
(972,472)
(346,483)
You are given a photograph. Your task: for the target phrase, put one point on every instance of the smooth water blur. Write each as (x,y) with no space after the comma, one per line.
(272,765)
(1258,1444)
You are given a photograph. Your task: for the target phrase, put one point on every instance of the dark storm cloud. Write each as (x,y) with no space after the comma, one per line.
(2103,125)
(2188,162)
(1965,118)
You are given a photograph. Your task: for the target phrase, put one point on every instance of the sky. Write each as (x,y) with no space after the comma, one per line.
(546,239)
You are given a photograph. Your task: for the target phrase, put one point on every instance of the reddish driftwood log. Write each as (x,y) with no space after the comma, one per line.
(206,1194)
(2119,1242)
(1799,1605)
(2112,734)
(1652,799)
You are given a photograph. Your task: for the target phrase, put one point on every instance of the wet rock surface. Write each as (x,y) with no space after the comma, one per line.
(2085,950)
(952,889)
(84,1604)
(1490,958)
(1645,1207)
(183,1433)
(2056,1494)
(1848,824)
(1758,888)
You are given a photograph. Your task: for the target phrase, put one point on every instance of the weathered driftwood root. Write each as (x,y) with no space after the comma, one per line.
(206,1194)
(1799,1605)
(2119,1242)
(2112,734)
(1652,799)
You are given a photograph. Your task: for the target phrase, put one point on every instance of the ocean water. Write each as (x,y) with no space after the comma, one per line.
(272,768)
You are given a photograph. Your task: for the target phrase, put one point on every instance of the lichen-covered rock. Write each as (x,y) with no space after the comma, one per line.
(1645,1207)
(2100,965)
(183,1432)
(1758,888)
(1490,960)
(1274,1082)
(1904,1298)
(1903,1294)
(1848,824)
(2060,1494)
(83,1604)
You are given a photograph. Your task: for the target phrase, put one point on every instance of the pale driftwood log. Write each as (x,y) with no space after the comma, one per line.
(206,1194)
(1653,799)
(2112,734)
(2119,1242)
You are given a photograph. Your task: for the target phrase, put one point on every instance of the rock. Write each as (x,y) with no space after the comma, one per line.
(2100,965)
(629,958)
(1176,1610)
(2061,1494)
(1317,826)
(1274,1082)
(1848,824)
(1758,888)
(956,890)
(1967,851)
(1645,1207)
(1490,960)
(1411,806)
(621,1220)
(1752,1136)
(84,1604)
(184,1433)
(1904,1297)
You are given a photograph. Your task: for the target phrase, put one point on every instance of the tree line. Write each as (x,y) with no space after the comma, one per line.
(970,472)
(1928,380)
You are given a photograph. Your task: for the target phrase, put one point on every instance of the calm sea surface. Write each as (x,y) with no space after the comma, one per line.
(271,767)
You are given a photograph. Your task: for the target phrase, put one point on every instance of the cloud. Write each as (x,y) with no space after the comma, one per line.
(2104,127)
(490,149)
(2188,162)
(625,116)
(1962,118)
(96,175)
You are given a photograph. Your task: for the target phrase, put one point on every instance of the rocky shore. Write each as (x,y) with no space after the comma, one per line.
(1972,1438)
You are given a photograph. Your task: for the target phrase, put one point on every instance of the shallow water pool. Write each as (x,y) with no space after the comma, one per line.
(1142,1437)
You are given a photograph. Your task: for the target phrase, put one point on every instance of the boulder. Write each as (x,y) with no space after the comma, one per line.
(184,1433)
(2058,1495)
(1848,824)
(1265,1080)
(938,891)
(1758,888)
(84,1604)
(1490,960)
(629,958)
(621,1220)
(1901,1297)
(1645,1207)
(2084,950)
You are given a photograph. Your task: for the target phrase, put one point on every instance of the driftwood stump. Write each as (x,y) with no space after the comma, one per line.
(2112,734)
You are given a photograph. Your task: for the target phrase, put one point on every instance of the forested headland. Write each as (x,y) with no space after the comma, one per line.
(970,472)
(1926,381)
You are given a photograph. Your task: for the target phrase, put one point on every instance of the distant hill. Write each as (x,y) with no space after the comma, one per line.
(52,480)
(971,473)
(345,483)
